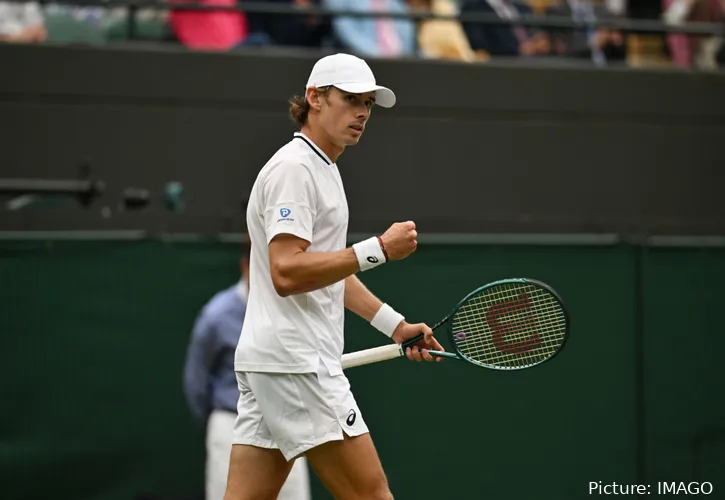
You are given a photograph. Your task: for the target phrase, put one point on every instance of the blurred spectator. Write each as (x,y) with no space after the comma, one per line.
(646,49)
(442,39)
(373,37)
(692,50)
(503,39)
(282,29)
(209,30)
(211,390)
(22,23)
(601,45)
(616,7)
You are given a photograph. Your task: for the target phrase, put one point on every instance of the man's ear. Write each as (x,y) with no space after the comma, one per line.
(313,97)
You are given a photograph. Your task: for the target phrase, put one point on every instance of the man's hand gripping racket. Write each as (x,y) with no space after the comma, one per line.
(418,339)
(510,324)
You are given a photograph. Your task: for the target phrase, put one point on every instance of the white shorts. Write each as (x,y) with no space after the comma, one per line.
(294,412)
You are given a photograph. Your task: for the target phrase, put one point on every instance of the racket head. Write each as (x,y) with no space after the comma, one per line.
(510,324)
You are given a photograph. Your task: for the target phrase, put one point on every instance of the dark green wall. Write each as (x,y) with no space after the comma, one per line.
(93,336)
(485,148)
(92,346)
(684,376)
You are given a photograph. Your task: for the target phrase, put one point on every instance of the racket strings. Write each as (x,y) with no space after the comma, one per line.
(515,340)
(512,325)
(518,324)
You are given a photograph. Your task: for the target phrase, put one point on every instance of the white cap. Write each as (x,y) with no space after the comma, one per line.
(350,74)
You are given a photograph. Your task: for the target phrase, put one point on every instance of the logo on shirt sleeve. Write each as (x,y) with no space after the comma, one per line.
(285,213)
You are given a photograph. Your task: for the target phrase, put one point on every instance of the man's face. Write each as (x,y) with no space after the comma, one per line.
(343,116)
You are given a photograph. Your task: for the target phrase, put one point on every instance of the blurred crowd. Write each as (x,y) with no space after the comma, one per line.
(401,37)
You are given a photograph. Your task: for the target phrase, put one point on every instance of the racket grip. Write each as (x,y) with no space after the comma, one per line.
(412,341)
(373,355)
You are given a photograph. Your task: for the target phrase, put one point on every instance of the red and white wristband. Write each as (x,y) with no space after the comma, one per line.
(370,253)
(387,320)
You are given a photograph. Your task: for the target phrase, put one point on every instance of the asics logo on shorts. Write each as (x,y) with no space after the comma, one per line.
(351,417)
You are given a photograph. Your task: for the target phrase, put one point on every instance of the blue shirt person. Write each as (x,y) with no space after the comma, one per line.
(210,384)
(209,379)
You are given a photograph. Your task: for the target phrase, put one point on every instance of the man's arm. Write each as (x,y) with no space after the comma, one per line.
(360,300)
(295,270)
(365,304)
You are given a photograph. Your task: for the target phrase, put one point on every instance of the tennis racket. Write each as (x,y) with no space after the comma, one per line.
(509,324)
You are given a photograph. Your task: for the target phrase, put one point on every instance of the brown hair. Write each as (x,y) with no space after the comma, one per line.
(299,106)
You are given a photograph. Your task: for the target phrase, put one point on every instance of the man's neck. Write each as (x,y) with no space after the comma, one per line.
(322,141)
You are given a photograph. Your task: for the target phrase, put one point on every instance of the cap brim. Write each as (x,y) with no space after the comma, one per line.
(383,96)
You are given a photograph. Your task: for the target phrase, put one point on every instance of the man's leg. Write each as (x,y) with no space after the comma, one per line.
(255,473)
(257,468)
(305,414)
(350,469)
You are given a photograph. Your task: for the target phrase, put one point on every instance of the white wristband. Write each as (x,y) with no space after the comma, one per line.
(369,254)
(387,320)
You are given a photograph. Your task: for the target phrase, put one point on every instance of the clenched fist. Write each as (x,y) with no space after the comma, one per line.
(400,240)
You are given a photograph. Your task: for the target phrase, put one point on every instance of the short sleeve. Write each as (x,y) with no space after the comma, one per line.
(290,201)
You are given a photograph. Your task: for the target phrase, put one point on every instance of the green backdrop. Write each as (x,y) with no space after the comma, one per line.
(93,338)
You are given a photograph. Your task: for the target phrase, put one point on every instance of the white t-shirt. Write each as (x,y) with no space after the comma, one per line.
(299,191)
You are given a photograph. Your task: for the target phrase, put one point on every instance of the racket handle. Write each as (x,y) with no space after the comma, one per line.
(372,355)
(412,341)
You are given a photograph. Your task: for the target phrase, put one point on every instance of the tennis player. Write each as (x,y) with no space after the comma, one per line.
(294,397)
